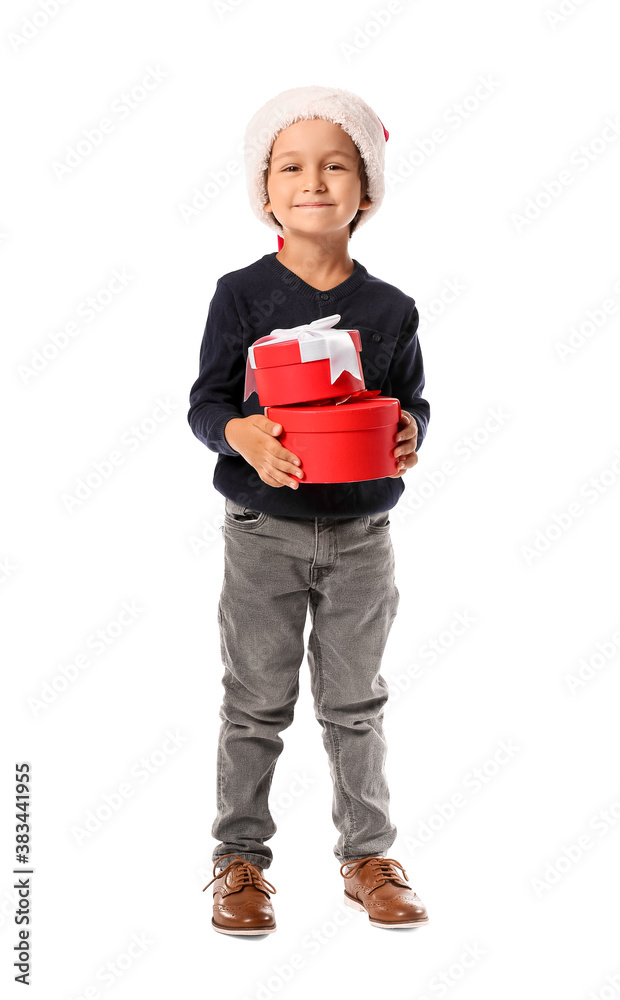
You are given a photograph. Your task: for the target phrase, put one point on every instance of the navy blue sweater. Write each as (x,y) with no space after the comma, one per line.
(251,302)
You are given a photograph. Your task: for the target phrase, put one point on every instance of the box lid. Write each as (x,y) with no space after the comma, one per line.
(357,415)
(274,353)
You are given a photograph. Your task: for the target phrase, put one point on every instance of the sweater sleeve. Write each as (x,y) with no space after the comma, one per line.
(217,394)
(407,375)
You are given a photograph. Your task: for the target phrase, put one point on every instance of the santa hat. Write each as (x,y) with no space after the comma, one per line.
(339,106)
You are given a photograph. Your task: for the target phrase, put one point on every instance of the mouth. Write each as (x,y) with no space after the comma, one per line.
(315,204)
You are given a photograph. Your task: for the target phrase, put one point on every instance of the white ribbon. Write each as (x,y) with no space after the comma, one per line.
(316,341)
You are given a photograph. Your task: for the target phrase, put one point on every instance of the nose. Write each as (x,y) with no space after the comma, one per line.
(313,181)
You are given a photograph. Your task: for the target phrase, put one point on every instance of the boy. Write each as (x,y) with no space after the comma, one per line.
(315,162)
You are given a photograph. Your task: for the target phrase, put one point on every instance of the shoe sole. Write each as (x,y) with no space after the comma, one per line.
(353,903)
(250,930)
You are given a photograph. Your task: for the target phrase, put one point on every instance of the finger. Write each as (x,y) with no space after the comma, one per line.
(268,427)
(276,480)
(406,433)
(281,451)
(407,448)
(406,462)
(284,460)
(285,473)
(282,466)
(275,430)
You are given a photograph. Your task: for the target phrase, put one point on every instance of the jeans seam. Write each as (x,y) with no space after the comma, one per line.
(220,741)
(332,732)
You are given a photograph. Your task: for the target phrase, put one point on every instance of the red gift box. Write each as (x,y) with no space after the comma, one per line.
(344,442)
(308,362)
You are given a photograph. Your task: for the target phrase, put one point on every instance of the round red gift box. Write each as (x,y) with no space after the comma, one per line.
(341,442)
(282,378)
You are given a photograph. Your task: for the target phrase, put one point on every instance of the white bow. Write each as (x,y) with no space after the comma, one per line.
(315,340)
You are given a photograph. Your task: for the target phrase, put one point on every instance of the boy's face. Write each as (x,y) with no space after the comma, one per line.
(314,160)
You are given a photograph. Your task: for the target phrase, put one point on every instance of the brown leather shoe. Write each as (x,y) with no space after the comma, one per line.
(240,899)
(377,888)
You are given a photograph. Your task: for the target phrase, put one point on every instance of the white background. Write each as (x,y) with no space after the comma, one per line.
(496,540)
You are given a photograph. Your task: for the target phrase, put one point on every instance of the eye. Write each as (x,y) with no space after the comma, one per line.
(285,170)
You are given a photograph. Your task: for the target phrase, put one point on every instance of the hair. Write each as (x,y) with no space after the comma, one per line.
(361,173)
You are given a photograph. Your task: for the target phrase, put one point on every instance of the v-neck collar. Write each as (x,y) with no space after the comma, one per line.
(292,280)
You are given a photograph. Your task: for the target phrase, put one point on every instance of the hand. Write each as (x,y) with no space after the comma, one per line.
(406,440)
(254,437)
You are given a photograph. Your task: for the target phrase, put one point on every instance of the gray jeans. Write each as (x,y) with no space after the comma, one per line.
(274,567)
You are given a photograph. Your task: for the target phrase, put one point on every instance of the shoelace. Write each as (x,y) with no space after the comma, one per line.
(382,869)
(243,873)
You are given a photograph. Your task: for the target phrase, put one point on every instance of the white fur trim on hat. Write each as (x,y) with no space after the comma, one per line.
(339,106)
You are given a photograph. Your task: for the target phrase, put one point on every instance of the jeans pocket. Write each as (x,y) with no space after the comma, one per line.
(242,517)
(377,522)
